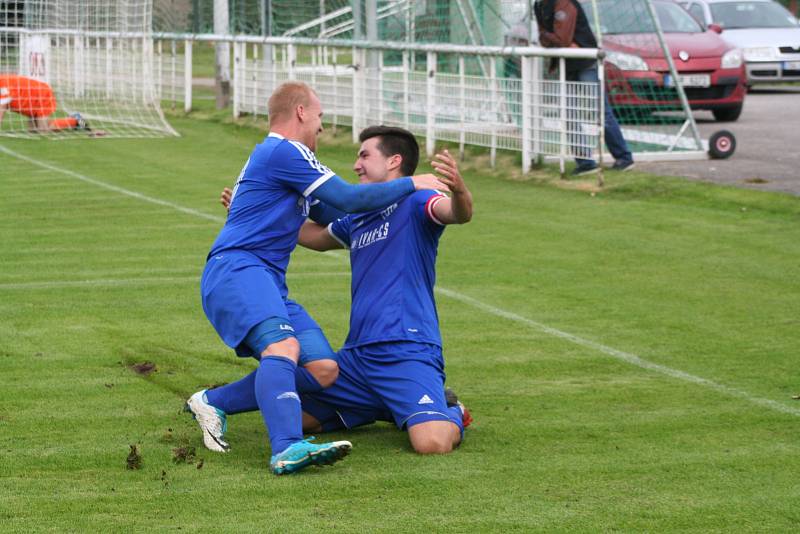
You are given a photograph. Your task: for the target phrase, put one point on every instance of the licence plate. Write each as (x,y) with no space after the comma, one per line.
(791,65)
(689,80)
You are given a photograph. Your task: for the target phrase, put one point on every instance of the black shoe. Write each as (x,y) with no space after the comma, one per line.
(450,397)
(623,165)
(452,400)
(583,170)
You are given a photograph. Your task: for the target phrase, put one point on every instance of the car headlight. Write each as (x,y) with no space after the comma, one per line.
(732,59)
(626,61)
(759,54)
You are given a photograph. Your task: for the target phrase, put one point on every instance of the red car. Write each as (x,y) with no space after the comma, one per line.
(638,80)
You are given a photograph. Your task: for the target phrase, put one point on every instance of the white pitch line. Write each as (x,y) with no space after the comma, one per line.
(100,282)
(620,355)
(626,357)
(119,282)
(112,187)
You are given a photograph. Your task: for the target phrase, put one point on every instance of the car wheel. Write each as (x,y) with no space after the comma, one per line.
(727,114)
(721,145)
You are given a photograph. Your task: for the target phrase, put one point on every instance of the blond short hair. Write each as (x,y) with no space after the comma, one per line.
(286,98)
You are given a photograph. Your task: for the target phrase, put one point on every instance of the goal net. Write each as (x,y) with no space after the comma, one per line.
(660,63)
(72,67)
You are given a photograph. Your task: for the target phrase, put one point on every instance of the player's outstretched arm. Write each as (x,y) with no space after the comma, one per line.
(458,208)
(359,198)
(429,181)
(316,237)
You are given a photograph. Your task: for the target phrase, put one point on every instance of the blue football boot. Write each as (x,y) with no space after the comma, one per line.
(304,453)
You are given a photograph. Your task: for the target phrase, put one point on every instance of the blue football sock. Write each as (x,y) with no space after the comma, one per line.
(236,397)
(240,396)
(278,401)
(305,381)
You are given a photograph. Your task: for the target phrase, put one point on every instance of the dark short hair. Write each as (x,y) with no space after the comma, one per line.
(395,141)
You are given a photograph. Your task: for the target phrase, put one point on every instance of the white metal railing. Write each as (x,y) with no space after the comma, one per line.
(458,93)
(433,90)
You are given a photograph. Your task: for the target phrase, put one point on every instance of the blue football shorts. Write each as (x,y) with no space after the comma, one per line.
(239,293)
(399,381)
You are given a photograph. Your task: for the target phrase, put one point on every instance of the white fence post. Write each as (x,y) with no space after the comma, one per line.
(495,111)
(525,98)
(173,71)
(313,66)
(358,67)
(335,90)
(109,67)
(430,108)
(269,66)
(291,60)
(380,87)
(536,109)
(601,117)
(562,105)
(462,94)
(256,79)
(238,86)
(187,76)
(406,66)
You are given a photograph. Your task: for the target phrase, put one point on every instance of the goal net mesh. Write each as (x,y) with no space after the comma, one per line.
(72,67)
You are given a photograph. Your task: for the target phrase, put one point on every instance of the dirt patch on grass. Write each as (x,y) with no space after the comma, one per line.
(168,436)
(184,455)
(143,368)
(134,460)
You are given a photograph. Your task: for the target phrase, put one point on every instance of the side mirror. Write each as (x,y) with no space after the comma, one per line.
(716,28)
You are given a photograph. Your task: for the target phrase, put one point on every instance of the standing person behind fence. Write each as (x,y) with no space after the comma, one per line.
(36,101)
(563,24)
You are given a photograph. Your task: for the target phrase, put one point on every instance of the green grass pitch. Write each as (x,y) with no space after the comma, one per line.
(629,355)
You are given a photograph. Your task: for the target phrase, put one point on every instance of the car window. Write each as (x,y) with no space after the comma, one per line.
(696,10)
(732,15)
(634,17)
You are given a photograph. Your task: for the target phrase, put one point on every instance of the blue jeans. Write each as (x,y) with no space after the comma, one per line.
(613,134)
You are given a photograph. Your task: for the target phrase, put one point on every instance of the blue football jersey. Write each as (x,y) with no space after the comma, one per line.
(393,260)
(271,201)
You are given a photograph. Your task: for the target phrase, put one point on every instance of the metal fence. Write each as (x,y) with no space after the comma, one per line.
(494,97)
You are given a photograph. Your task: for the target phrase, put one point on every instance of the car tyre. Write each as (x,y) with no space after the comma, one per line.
(727,114)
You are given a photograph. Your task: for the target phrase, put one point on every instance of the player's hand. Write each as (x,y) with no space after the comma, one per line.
(225,198)
(428,181)
(447,168)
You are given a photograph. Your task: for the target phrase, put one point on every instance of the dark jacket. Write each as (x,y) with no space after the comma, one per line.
(563,24)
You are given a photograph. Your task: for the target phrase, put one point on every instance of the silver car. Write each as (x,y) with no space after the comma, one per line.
(766,32)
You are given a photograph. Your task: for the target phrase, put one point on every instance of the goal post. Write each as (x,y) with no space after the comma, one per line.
(71,67)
